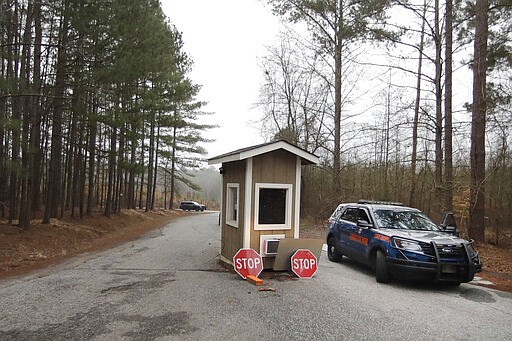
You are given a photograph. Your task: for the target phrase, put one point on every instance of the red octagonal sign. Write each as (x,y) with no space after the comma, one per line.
(304,263)
(247,262)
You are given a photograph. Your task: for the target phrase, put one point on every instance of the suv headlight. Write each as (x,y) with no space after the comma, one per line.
(408,245)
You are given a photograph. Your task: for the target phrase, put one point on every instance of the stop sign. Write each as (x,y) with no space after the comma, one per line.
(304,263)
(247,262)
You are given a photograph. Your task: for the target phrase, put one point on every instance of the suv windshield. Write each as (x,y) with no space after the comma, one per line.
(408,220)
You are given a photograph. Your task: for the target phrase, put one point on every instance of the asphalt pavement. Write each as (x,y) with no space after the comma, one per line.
(168,285)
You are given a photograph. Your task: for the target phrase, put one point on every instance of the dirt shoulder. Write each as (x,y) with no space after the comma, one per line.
(43,245)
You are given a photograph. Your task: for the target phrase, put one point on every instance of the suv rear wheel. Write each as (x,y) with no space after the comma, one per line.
(332,253)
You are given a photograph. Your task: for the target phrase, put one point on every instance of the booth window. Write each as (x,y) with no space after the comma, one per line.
(233,194)
(273,208)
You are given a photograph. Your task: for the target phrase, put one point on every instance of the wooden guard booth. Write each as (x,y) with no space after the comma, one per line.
(260,197)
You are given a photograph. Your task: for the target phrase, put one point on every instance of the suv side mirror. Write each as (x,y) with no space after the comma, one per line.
(448,223)
(450,229)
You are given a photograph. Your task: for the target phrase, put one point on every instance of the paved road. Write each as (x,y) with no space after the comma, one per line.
(168,285)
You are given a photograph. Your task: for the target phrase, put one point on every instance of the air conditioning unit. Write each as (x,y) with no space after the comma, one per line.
(269,244)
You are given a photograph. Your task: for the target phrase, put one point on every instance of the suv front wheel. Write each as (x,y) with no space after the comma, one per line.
(381,268)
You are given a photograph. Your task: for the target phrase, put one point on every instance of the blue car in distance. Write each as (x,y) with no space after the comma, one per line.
(400,242)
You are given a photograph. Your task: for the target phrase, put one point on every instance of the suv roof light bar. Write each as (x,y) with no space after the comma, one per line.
(362,201)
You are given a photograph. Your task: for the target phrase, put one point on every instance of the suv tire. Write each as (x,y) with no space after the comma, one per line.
(332,253)
(381,268)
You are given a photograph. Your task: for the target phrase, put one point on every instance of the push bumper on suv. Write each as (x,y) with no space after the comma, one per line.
(454,263)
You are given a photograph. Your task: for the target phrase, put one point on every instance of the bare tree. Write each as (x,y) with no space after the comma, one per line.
(295,95)
(335,24)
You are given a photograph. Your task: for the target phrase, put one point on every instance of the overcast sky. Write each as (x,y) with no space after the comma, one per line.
(226,39)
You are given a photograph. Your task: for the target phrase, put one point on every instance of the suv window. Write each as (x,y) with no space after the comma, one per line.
(335,216)
(350,214)
(363,216)
(409,220)
(354,214)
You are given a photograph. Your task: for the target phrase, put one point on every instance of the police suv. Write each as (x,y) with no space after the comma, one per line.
(401,242)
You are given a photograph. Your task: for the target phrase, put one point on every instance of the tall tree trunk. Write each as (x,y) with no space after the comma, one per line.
(173,166)
(54,190)
(92,158)
(165,183)
(100,196)
(156,168)
(130,196)
(78,107)
(12,74)
(35,136)
(141,185)
(111,172)
(414,153)
(149,191)
(83,169)
(5,10)
(142,158)
(77,169)
(71,159)
(385,184)
(120,173)
(26,183)
(438,171)
(448,150)
(476,226)
(337,100)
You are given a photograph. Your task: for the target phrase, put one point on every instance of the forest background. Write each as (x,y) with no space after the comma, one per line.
(97,111)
